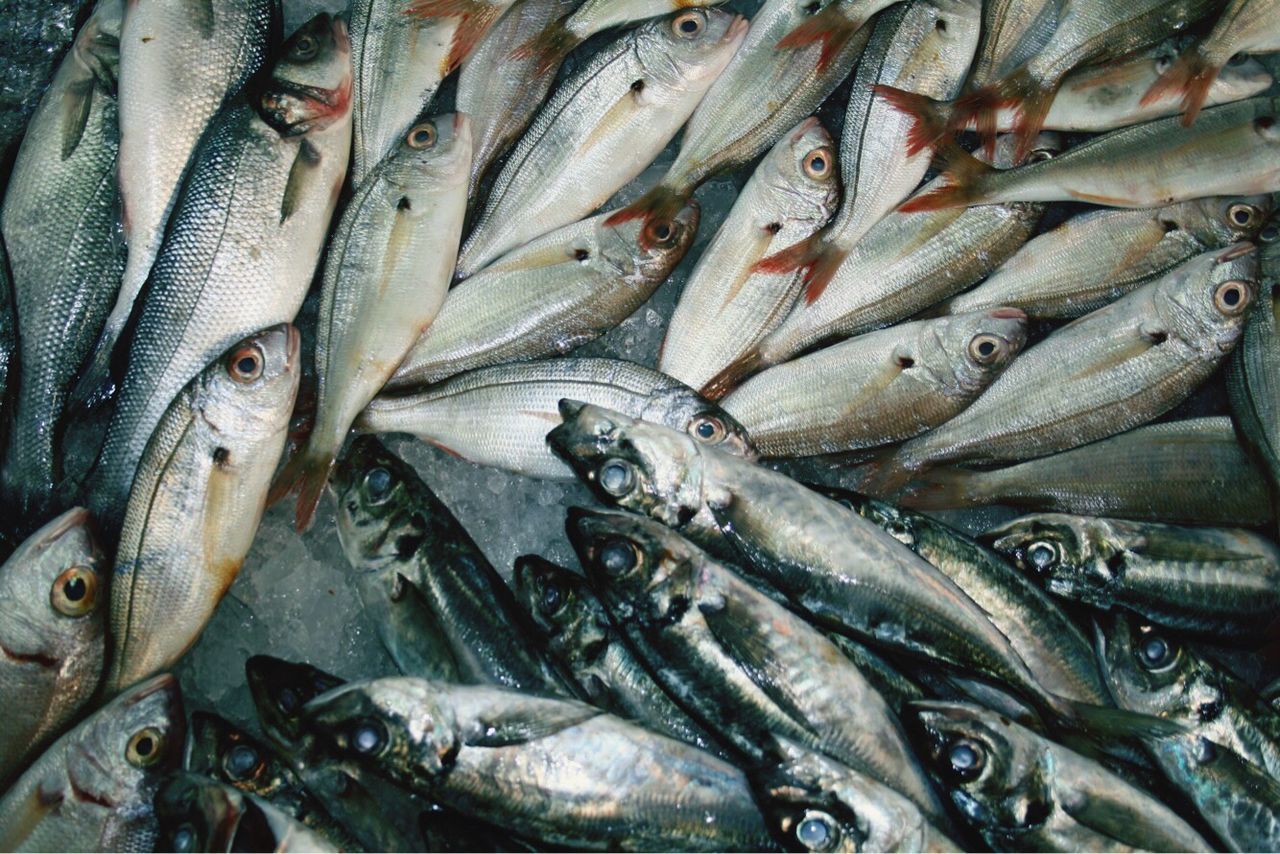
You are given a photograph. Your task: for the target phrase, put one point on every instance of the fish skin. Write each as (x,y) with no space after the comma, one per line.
(518,404)
(599,130)
(196,503)
(386,274)
(879,388)
(725,308)
(1031,794)
(1223,582)
(1101,255)
(1013,31)
(602,783)
(85,793)
(582,638)
(230,266)
(741,662)
(201,814)
(60,224)
(546,298)
(1253,375)
(52,648)
(389,518)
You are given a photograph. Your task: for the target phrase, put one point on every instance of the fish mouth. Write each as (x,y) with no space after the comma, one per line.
(737,31)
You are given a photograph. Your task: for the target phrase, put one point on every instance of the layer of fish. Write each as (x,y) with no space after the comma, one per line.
(1253,376)
(199,814)
(1013,31)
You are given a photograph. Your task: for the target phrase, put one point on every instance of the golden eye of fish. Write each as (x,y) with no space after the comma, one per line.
(422,136)
(660,232)
(304,48)
(1233,297)
(985,349)
(145,747)
(245,364)
(74,592)
(689,25)
(618,557)
(707,429)
(616,477)
(965,759)
(817,163)
(817,831)
(1243,216)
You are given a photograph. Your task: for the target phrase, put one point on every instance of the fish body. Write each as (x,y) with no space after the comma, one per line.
(1013,31)
(196,813)
(1253,376)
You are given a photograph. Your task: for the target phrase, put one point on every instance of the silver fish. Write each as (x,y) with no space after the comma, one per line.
(199,814)
(1253,377)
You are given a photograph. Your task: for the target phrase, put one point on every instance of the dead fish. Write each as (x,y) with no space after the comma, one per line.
(199,814)
(1254,371)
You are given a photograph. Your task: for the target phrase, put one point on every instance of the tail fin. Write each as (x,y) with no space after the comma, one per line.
(887,474)
(829,27)
(982,107)
(1189,79)
(474,19)
(550,46)
(941,489)
(965,185)
(656,207)
(815,255)
(1031,99)
(732,375)
(308,472)
(932,117)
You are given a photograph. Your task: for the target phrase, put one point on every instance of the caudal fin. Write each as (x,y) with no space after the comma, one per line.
(307,471)
(1188,79)
(658,208)
(941,489)
(475,17)
(931,118)
(829,28)
(818,258)
(550,46)
(965,182)
(732,375)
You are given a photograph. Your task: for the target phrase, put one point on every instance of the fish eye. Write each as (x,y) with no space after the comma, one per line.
(1243,216)
(183,838)
(1040,155)
(659,232)
(985,349)
(145,747)
(618,557)
(817,163)
(304,48)
(965,759)
(242,763)
(617,477)
(245,364)
(1238,59)
(1163,63)
(287,701)
(1231,298)
(1155,653)
(552,599)
(377,484)
(817,831)
(368,737)
(689,25)
(422,136)
(1270,232)
(901,532)
(1043,555)
(74,592)
(707,429)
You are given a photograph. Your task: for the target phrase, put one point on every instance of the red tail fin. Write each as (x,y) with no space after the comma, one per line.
(829,28)
(657,207)
(1032,99)
(981,107)
(550,46)
(474,19)
(1189,78)
(965,177)
(815,255)
(931,117)
(308,471)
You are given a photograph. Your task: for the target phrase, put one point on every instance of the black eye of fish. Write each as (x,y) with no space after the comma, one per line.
(1270,233)
(241,762)
(75,589)
(183,838)
(617,557)
(287,700)
(1042,555)
(707,429)
(552,598)
(1155,652)
(817,831)
(368,737)
(377,484)
(965,758)
(616,477)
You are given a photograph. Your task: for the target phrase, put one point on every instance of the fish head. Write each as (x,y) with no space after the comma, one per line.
(1205,301)
(397,725)
(435,153)
(1076,557)
(900,524)
(646,468)
(198,814)
(950,35)
(308,88)
(802,175)
(279,690)
(1242,77)
(681,408)
(979,345)
(219,749)
(1219,220)
(1148,669)
(558,601)
(686,50)
(245,398)
(994,770)
(664,244)
(380,522)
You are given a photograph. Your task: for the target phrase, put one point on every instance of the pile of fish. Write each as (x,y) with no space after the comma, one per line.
(929,527)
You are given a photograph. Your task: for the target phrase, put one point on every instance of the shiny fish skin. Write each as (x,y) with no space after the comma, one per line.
(725,308)
(243,242)
(388,517)
(554,771)
(53,592)
(1219,581)
(195,505)
(518,403)
(1013,31)
(92,790)
(601,128)
(60,223)
(199,814)
(547,297)
(1101,255)
(1253,375)
(878,388)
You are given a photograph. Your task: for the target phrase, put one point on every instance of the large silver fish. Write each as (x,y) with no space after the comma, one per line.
(197,500)
(243,243)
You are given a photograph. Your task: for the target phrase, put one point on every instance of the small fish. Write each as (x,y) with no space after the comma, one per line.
(1253,376)
(199,814)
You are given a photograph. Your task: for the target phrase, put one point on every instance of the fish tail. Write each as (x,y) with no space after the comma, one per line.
(815,256)
(657,208)
(887,474)
(1107,723)
(940,489)
(1189,79)
(307,471)
(930,117)
(829,28)
(981,106)
(550,46)
(732,374)
(966,182)
(474,19)
(1031,99)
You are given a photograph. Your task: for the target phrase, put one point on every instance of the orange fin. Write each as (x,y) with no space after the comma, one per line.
(829,28)
(475,17)
(965,182)
(550,46)
(732,374)
(982,107)
(657,207)
(817,257)
(932,117)
(1189,78)
(308,472)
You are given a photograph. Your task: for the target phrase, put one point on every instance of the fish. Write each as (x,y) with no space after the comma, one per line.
(1125,364)
(1244,26)
(499,416)
(879,388)
(195,506)
(1147,165)
(8,338)
(52,634)
(1254,370)
(581,637)
(558,772)
(179,65)
(1013,31)
(739,661)
(1022,792)
(1223,582)
(817,804)
(389,518)
(386,273)
(601,128)
(243,242)
(199,814)
(501,90)
(1191,472)
(60,224)
(1101,255)
(923,48)
(725,308)
(546,298)
(92,790)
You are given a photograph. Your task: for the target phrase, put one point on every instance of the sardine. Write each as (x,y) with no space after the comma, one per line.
(243,242)
(499,416)
(878,388)
(555,771)
(1253,375)
(725,308)
(60,222)
(199,814)
(196,503)
(547,297)
(1219,581)
(92,790)
(52,634)
(386,273)
(601,128)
